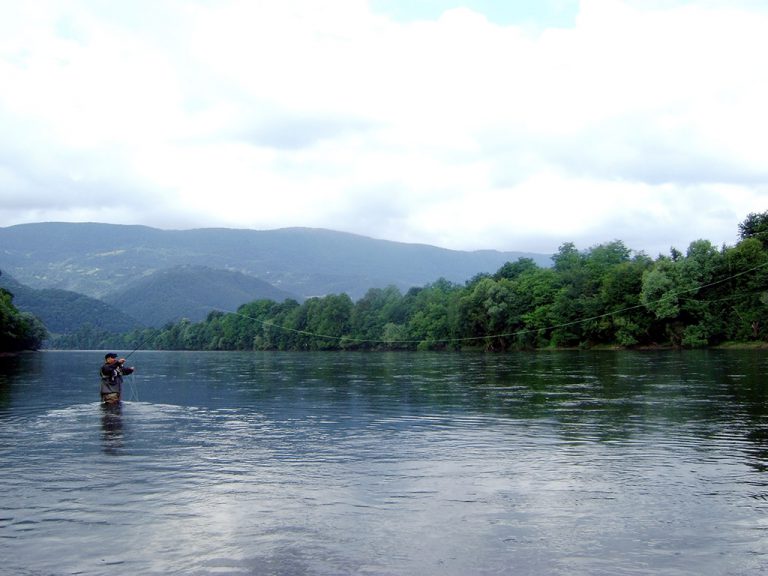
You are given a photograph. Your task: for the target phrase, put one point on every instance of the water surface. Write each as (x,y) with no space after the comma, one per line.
(387,464)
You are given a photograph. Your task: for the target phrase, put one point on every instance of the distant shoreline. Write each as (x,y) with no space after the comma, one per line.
(600,347)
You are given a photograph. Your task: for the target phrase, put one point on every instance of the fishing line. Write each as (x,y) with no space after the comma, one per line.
(128,378)
(677,294)
(134,392)
(142,342)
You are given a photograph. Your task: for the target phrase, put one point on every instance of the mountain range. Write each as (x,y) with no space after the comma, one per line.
(154,276)
(64,311)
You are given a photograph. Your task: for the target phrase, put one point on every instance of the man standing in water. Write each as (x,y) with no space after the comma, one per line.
(112,378)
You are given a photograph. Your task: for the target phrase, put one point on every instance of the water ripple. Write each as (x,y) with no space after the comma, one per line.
(381,465)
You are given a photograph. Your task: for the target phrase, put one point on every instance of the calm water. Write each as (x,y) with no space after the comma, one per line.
(387,464)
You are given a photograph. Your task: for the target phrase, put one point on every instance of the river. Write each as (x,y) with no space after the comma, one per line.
(562,463)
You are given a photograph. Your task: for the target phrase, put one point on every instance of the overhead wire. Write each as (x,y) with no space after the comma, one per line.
(517,333)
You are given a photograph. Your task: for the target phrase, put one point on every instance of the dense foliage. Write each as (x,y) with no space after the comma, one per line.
(63,311)
(605,295)
(18,330)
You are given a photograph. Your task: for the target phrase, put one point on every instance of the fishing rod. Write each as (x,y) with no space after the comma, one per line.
(141,343)
(129,381)
(152,334)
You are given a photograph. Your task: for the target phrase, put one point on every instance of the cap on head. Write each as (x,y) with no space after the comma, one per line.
(109,355)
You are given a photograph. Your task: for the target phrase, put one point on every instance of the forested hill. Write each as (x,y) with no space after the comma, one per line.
(18,330)
(191,292)
(166,296)
(63,311)
(605,295)
(101,259)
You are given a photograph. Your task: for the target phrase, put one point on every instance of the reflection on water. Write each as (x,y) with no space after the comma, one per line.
(112,427)
(546,463)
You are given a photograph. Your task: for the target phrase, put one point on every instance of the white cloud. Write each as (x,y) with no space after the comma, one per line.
(455,131)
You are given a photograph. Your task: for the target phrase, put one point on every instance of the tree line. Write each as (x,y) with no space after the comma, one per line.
(18,330)
(606,295)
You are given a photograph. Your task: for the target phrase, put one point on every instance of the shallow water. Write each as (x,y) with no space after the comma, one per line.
(413,464)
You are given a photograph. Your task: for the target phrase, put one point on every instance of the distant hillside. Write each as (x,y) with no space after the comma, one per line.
(99,259)
(63,311)
(190,292)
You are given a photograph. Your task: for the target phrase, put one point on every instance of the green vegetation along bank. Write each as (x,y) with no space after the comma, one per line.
(604,296)
(18,330)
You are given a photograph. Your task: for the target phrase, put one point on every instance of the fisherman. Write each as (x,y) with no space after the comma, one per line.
(112,378)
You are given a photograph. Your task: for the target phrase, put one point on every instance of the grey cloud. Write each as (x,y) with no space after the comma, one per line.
(56,184)
(296,131)
(637,149)
(631,149)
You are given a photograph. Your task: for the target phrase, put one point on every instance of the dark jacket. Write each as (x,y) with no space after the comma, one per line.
(112,377)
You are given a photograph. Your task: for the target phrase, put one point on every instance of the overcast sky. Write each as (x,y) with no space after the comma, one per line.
(467,124)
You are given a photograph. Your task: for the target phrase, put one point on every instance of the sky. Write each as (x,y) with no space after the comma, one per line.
(466,124)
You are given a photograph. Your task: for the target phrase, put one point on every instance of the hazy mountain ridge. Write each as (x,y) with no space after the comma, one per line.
(101,260)
(191,292)
(64,311)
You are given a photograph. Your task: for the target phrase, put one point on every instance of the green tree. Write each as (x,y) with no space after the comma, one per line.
(18,330)
(535,293)
(627,322)
(513,270)
(328,321)
(378,308)
(484,312)
(568,307)
(659,293)
(755,226)
(745,300)
(433,316)
(578,307)
(683,294)
(608,271)
(699,273)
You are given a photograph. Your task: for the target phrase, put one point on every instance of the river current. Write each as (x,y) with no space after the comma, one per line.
(563,463)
